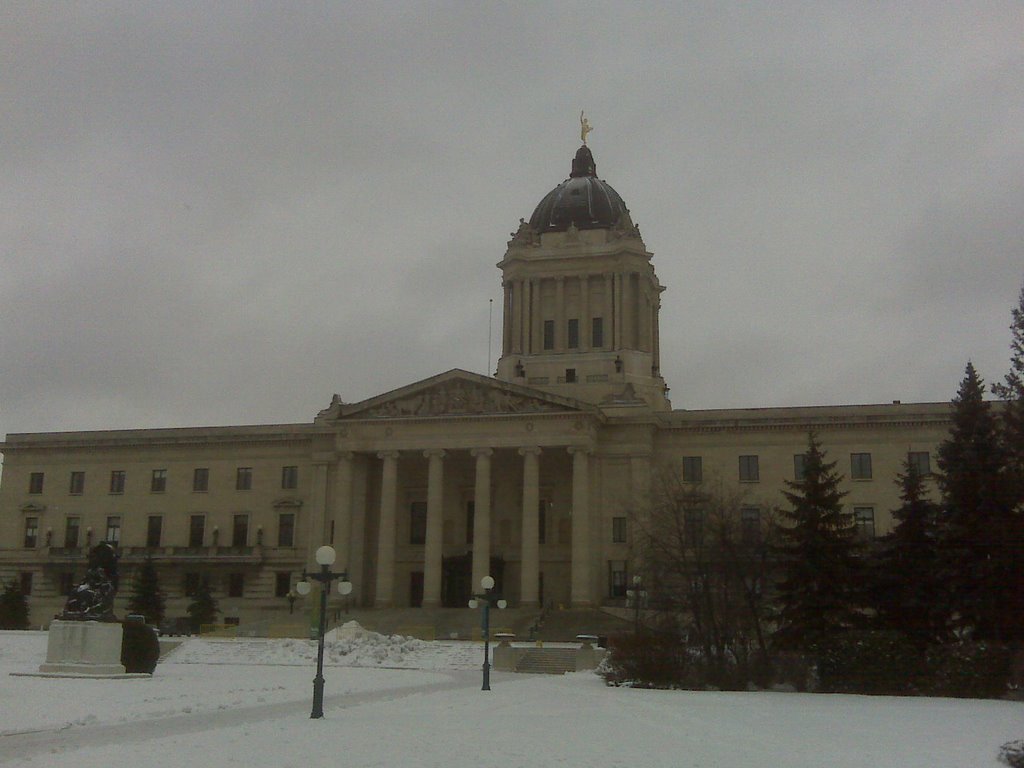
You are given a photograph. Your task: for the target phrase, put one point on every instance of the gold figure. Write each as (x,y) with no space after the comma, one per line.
(585,127)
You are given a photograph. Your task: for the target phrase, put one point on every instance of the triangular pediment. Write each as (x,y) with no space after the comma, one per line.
(454,393)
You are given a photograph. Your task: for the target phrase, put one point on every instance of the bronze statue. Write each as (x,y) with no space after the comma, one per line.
(93,599)
(585,127)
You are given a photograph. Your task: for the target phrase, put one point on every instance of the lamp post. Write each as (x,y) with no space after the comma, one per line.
(325,559)
(635,597)
(486,599)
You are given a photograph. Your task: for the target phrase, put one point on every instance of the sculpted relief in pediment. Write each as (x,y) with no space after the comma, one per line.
(459,398)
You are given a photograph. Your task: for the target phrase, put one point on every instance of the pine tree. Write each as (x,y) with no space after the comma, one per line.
(147,599)
(821,590)
(203,608)
(906,591)
(979,545)
(13,607)
(1012,391)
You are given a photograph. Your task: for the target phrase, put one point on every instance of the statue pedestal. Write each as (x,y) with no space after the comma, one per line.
(83,648)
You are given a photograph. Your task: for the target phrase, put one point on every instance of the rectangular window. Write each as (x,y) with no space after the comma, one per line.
(694,522)
(570,375)
(693,469)
(750,525)
(154,530)
(289,478)
(864,518)
(749,471)
(243,479)
(921,462)
(418,522)
(31,532)
(191,587)
(35,482)
(597,332)
(282,583)
(77,484)
(236,584)
(158,481)
(542,520)
(286,529)
(113,530)
(239,530)
(200,479)
(616,578)
(65,583)
(26,583)
(799,466)
(618,530)
(196,530)
(117,481)
(71,528)
(860,466)
(470,520)
(573,341)
(549,334)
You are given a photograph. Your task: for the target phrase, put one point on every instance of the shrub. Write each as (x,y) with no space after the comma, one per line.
(1012,753)
(869,661)
(647,660)
(140,647)
(969,670)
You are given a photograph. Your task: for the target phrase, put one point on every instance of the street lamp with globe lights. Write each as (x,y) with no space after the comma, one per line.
(486,599)
(325,559)
(636,597)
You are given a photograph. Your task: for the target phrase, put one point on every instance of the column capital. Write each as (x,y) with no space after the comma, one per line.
(584,449)
(478,452)
(432,453)
(530,450)
(324,457)
(388,455)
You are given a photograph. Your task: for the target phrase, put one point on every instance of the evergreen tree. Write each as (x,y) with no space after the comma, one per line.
(13,607)
(906,591)
(979,544)
(1012,391)
(147,599)
(203,608)
(821,591)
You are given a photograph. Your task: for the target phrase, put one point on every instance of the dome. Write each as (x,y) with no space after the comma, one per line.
(582,200)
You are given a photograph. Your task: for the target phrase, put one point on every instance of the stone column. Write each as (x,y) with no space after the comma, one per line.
(318,507)
(586,326)
(506,319)
(433,546)
(536,318)
(620,317)
(343,510)
(524,316)
(386,530)
(628,312)
(530,547)
(581,551)
(481,516)
(609,311)
(560,315)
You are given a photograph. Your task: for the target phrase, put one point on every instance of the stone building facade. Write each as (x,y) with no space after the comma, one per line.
(537,475)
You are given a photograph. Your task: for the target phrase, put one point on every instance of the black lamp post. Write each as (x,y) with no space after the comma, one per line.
(486,599)
(636,597)
(325,559)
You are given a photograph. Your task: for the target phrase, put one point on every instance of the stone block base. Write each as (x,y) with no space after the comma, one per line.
(83,648)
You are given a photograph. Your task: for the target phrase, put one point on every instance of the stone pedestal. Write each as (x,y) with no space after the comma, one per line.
(83,648)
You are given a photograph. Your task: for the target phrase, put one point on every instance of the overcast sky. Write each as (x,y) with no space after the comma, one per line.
(219,213)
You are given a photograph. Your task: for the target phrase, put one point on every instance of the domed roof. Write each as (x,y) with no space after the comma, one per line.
(582,200)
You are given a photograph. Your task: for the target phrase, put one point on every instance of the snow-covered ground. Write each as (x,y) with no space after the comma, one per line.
(406,703)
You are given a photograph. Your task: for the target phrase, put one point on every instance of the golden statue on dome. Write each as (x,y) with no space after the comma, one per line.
(585,127)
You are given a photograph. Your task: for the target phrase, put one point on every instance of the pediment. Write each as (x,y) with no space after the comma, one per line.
(455,393)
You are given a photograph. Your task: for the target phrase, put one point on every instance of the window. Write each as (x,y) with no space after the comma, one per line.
(799,466)
(921,462)
(616,578)
(243,479)
(196,530)
(573,341)
(282,583)
(549,334)
(570,375)
(693,470)
(289,478)
(750,525)
(864,518)
(35,482)
(418,522)
(31,532)
(286,529)
(619,530)
(200,479)
(236,584)
(65,583)
(694,522)
(470,520)
(597,332)
(26,583)
(191,587)
(158,481)
(113,530)
(240,530)
(154,529)
(71,528)
(749,472)
(860,466)
(117,481)
(77,484)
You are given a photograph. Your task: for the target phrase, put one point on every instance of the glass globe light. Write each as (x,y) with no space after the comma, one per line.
(303,588)
(487,582)
(473,603)
(503,604)
(325,555)
(344,587)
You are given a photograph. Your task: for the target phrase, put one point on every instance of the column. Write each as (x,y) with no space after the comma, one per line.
(432,549)
(357,535)
(620,317)
(506,317)
(481,515)
(560,330)
(609,312)
(524,316)
(318,506)
(581,551)
(530,547)
(655,306)
(343,510)
(536,319)
(386,530)
(628,312)
(586,326)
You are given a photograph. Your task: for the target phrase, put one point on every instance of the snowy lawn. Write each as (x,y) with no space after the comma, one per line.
(246,703)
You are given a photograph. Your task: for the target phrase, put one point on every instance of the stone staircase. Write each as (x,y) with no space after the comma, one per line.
(548,661)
